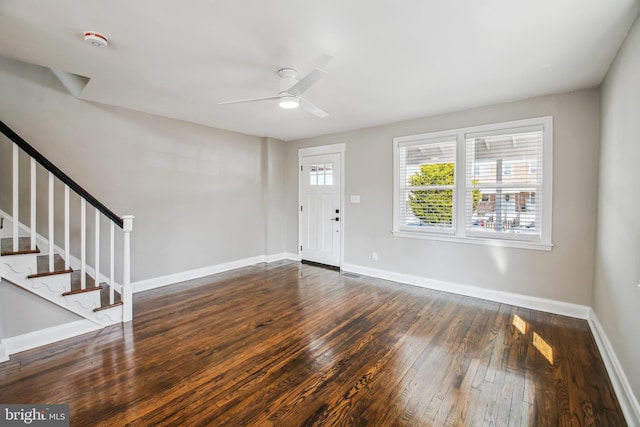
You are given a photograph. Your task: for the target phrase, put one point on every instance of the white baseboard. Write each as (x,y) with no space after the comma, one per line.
(292,257)
(47,336)
(4,356)
(624,392)
(274,258)
(526,301)
(170,279)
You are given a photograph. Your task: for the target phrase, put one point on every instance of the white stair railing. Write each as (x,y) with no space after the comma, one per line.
(125,222)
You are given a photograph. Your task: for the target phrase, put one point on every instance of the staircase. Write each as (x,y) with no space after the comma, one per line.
(34,262)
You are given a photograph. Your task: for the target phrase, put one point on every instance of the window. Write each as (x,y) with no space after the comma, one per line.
(321,174)
(486,184)
(427,183)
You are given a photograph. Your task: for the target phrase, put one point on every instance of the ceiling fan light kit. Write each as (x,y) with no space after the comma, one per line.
(289,101)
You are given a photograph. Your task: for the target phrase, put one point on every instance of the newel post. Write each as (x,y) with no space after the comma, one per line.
(127,293)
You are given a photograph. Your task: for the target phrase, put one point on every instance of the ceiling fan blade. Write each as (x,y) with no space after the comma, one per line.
(316,111)
(240,101)
(307,81)
(322,61)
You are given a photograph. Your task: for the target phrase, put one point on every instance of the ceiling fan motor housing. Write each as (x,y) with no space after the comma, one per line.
(287,78)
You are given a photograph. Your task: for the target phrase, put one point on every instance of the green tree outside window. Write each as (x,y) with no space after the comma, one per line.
(435,207)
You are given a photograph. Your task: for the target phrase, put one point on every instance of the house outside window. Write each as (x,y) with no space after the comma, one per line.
(487,184)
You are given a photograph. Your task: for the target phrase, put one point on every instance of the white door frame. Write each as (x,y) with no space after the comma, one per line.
(314,151)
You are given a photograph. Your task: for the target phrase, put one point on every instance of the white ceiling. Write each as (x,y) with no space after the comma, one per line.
(392,60)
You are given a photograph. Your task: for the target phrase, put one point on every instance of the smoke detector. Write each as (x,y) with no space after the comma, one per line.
(95,39)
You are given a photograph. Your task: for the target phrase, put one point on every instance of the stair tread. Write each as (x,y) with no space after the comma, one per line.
(24,246)
(75,281)
(81,291)
(43,266)
(104,296)
(104,307)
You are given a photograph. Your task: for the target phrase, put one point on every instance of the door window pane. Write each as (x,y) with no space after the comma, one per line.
(321,174)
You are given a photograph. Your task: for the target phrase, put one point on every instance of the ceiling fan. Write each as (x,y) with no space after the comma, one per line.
(291,90)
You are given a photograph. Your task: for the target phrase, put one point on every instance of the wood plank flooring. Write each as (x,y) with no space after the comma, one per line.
(288,344)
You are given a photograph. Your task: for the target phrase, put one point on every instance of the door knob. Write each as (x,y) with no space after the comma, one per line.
(334,219)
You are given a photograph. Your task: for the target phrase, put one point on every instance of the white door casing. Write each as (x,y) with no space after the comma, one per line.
(321,214)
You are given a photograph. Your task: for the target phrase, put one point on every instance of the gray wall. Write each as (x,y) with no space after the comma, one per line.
(616,298)
(564,274)
(41,314)
(274,184)
(198,193)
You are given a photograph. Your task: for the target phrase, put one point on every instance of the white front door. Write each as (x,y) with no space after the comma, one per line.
(320,210)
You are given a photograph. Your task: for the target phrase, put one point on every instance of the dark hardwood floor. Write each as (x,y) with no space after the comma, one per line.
(288,344)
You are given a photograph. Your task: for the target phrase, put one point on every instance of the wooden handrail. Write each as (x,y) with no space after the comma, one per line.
(59,174)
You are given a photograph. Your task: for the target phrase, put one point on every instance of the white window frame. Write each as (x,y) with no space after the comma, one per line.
(459,232)
(434,138)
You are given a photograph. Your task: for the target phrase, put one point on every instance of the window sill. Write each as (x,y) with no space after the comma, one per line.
(505,243)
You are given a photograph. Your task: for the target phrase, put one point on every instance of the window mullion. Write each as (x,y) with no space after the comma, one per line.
(460,193)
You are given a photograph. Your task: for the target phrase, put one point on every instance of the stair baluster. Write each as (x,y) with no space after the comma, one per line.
(97,248)
(83,244)
(67,254)
(16,192)
(51,222)
(32,166)
(112,257)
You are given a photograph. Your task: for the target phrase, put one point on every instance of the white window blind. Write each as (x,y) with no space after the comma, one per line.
(487,184)
(507,198)
(427,184)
